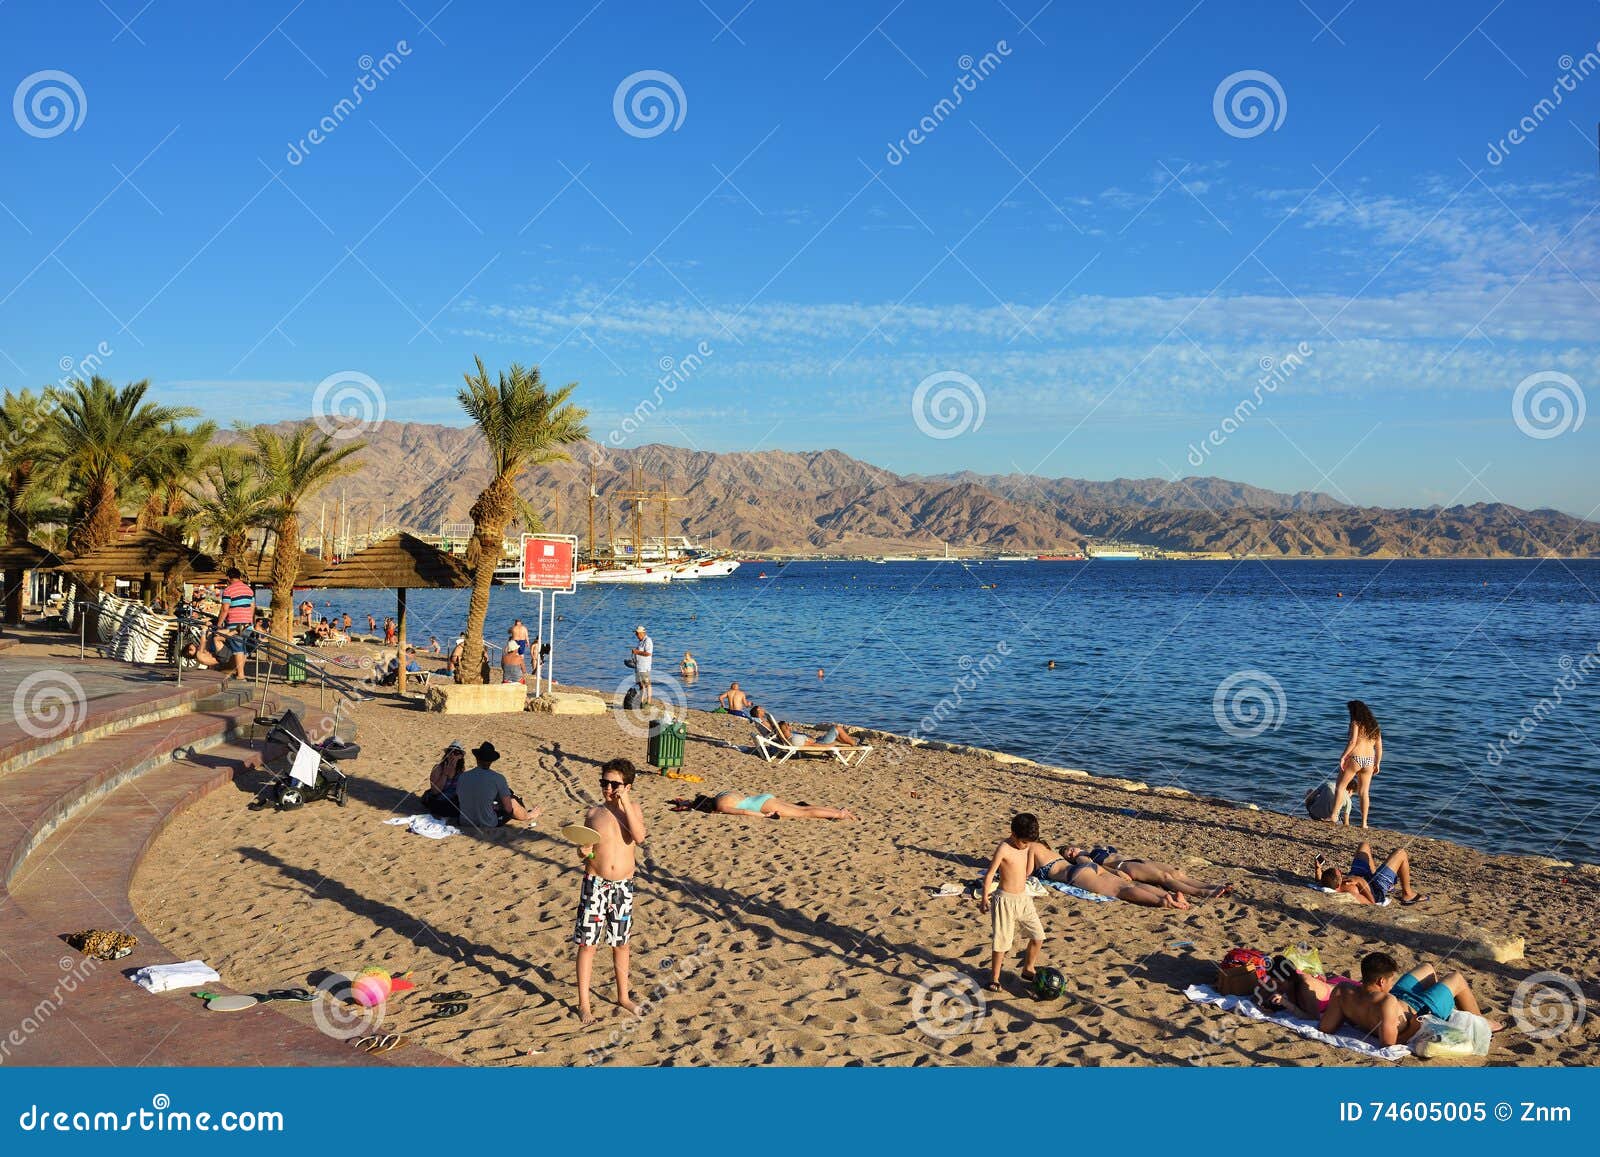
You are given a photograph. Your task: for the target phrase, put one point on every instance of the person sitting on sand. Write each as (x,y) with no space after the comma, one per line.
(1083,872)
(1388,1005)
(1367,881)
(1015,859)
(735,702)
(764,806)
(484,797)
(1168,877)
(440,798)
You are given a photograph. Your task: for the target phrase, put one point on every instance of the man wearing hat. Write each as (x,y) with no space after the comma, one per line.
(643,649)
(483,796)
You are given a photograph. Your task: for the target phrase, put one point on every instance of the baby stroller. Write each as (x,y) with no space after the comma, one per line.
(289,790)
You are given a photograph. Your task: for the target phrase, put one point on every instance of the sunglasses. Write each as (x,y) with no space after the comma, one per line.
(612,783)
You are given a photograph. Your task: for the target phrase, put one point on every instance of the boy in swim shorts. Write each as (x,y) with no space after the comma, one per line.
(1370,882)
(605,905)
(1389,1006)
(1014,861)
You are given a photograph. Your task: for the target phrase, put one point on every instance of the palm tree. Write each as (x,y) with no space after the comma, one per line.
(524,425)
(22,419)
(293,466)
(102,438)
(230,502)
(176,459)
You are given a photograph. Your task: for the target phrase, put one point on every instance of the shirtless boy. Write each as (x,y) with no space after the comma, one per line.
(1371,882)
(605,908)
(1014,861)
(1387,1005)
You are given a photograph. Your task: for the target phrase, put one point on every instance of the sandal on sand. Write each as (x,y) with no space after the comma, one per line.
(445,1011)
(1415,900)
(449,997)
(380,1044)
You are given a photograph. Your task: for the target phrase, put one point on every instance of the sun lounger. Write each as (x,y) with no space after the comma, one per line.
(774,750)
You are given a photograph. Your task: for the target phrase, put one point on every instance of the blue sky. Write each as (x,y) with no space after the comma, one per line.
(1088,247)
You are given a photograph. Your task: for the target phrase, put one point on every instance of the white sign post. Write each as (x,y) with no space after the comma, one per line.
(549,563)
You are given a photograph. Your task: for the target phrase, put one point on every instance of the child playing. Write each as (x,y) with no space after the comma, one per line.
(1015,860)
(605,908)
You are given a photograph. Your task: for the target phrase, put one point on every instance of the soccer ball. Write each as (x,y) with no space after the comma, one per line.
(1048,983)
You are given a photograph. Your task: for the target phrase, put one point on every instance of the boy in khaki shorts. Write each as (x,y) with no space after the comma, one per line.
(1015,860)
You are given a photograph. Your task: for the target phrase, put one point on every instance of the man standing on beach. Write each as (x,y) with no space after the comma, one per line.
(519,635)
(236,617)
(605,906)
(642,651)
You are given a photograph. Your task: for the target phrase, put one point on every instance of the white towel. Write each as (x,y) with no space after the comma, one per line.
(1336,892)
(1201,994)
(168,977)
(424,825)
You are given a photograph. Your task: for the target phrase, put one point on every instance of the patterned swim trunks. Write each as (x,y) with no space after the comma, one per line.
(605,912)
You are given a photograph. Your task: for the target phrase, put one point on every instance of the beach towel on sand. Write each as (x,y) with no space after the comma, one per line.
(1201,994)
(1036,887)
(168,977)
(430,826)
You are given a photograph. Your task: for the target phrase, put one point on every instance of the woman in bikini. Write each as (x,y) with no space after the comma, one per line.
(1168,877)
(768,806)
(1363,755)
(1082,872)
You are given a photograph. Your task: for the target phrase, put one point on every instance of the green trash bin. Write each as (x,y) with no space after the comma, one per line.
(664,748)
(295,671)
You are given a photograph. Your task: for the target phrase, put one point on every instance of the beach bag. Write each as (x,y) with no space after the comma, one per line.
(1241,970)
(630,700)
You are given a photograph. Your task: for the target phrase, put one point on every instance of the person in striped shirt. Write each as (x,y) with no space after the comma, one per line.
(236,617)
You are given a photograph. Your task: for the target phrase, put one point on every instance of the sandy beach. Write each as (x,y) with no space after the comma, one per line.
(810,942)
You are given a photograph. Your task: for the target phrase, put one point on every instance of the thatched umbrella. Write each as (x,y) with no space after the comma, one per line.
(401,562)
(16,559)
(258,571)
(142,554)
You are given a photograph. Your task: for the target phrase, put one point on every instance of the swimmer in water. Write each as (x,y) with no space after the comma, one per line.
(1051,665)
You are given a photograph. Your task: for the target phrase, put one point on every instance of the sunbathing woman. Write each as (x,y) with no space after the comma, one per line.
(833,735)
(1166,876)
(1082,872)
(767,806)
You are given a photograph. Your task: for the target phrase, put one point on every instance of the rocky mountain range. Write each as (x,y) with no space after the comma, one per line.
(421,477)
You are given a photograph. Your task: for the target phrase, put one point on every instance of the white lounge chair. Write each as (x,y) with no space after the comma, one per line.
(774,750)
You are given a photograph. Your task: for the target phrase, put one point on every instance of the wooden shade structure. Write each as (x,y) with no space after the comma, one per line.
(402,562)
(17,558)
(140,555)
(258,571)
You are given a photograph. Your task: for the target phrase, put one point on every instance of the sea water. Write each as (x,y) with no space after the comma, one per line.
(1225,678)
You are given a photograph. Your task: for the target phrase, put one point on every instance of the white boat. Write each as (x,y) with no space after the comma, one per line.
(636,575)
(699,568)
(1116,555)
